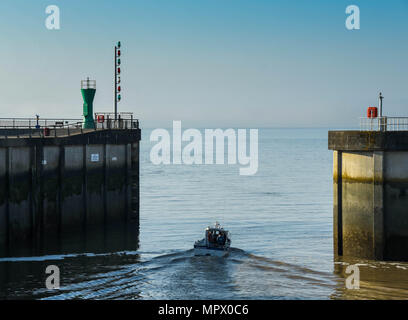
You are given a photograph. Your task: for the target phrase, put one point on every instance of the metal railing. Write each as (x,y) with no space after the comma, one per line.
(32,127)
(111,115)
(108,119)
(35,123)
(384,124)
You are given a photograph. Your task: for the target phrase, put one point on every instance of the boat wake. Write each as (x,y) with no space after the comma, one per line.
(179,274)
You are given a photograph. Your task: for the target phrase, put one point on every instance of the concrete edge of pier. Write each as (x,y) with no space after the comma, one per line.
(114,136)
(349,140)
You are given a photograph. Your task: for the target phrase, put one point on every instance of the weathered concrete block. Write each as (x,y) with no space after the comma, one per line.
(66,184)
(370,182)
(73,158)
(116,182)
(357,209)
(357,167)
(94,163)
(115,156)
(51,188)
(396,170)
(20,220)
(72,195)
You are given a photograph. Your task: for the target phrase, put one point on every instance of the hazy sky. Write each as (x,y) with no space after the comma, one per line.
(209,63)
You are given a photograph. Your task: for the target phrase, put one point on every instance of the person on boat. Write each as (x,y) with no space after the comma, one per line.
(221,239)
(210,237)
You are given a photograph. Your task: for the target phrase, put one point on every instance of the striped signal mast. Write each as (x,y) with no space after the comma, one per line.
(117,85)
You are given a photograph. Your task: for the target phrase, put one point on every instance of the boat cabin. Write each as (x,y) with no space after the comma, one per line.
(216,236)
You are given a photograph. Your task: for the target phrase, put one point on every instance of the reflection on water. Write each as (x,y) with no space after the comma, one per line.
(103,239)
(378,279)
(78,255)
(129,273)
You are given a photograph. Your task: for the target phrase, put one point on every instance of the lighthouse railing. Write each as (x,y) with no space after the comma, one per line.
(384,124)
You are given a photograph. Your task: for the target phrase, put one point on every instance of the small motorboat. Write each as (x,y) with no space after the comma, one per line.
(217,242)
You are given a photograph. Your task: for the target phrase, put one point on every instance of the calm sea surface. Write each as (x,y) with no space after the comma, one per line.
(281,225)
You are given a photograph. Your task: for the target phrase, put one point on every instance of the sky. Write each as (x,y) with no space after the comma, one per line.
(208,63)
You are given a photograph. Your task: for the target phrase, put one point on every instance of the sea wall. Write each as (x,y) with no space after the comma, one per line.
(56,185)
(370,194)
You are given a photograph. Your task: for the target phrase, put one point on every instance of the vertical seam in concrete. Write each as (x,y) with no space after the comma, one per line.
(31,193)
(104,193)
(378,205)
(7,204)
(40,183)
(138,181)
(126,182)
(340,202)
(84,192)
(34,199)
(61,166)
(135,180)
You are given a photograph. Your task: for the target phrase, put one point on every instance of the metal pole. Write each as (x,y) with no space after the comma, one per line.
(115,98)
(380,102)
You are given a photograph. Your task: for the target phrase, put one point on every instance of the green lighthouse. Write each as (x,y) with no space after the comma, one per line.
(88,89)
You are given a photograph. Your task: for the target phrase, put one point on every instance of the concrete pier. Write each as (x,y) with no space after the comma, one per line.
(370,198)
(55,185)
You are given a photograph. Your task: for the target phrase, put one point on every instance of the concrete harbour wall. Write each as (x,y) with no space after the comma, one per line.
(51,186)
(370,199)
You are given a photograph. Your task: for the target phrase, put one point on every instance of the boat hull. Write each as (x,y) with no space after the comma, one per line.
(203,251)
